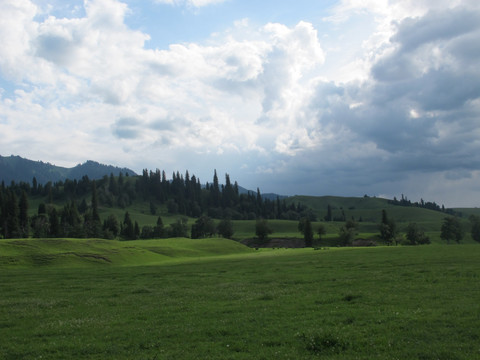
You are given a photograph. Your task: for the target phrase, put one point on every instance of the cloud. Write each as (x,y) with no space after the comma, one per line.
(219,89)
(435,26)
(57,49)
(414,122)
(193,3)
(254,95)
(126,128)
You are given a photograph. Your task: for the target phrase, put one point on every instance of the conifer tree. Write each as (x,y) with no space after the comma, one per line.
(158,230)
(308,233)
(321,230)
(128,231)
(387,228)
(95,215)
(225,228)
(475,227)
(113,185)
(34,186)
(2,214)
(23,215)
(12,220)
(215,191)
(329,216)
(54,225)
(136,231)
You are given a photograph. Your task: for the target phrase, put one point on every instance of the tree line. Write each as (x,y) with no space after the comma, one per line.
(78,214)
(430,205)
(451,230)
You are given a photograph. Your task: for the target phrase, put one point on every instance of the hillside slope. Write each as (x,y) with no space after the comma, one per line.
(66,253)
(16,168)
(369,210)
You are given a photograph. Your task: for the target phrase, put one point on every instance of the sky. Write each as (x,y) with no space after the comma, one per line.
(346,98)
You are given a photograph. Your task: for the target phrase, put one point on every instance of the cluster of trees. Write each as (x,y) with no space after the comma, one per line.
(451,230)
(475,227)
(388,229)
(205,227)
(83,221)
(330,217)
(13,214)
(186,196)
(80,218)
(181,195)
(202,228)
(306,229)
(431,205)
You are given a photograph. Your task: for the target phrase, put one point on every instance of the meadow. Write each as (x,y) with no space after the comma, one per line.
(196,301)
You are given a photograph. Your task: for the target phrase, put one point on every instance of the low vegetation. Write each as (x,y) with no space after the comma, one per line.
(346,303)
(25,253)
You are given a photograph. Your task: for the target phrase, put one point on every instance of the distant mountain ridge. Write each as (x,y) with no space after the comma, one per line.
(16,168)
(269,196)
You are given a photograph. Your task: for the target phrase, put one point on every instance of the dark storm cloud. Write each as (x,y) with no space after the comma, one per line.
(435,26)
(420,112)
(439,86)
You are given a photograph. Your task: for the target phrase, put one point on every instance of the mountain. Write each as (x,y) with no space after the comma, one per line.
(269,196)
(16,168)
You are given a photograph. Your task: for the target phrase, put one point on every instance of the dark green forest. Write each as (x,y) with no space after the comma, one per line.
(70,208)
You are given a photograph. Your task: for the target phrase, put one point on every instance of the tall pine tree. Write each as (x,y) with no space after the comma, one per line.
(23,215)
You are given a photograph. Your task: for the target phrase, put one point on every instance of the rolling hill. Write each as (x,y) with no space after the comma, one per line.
(67,253)
(16,168)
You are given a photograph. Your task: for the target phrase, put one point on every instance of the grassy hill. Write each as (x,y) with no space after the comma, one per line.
(369,210)
(86,252)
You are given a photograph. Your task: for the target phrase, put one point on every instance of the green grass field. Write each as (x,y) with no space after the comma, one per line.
(214,299)
(26,253)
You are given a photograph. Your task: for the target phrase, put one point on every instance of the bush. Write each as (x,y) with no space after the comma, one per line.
(147,232)
(415,236)
(179,228)
(262,229)
(203,227)
(225,228)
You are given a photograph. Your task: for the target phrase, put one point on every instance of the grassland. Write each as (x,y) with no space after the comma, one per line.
(213,299)
(25,253)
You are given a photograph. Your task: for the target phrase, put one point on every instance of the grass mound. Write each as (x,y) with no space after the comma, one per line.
(88,252)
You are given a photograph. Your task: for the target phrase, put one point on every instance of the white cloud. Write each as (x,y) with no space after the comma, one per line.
(407,104)
(194,3)
(219,89)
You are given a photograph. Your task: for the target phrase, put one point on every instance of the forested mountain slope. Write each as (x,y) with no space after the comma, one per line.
(18,169)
